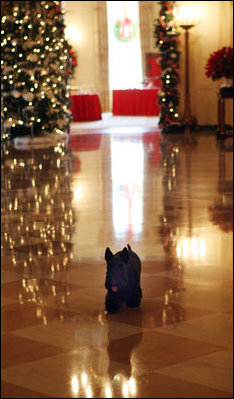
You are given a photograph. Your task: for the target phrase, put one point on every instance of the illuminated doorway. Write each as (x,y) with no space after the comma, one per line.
(125,64)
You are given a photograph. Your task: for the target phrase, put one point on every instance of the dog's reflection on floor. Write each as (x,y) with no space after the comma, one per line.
(121,352)
(101,361)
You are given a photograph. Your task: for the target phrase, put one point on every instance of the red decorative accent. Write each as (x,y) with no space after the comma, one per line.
(86,107)
(125,29)
(56,9)
(142,102)
(221,216)
(74,61)
(85,142)
(153,69)
(76,165)
(74,58)
(220,64)
(152,142)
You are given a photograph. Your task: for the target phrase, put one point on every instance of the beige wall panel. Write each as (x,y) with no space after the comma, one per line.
(80,15)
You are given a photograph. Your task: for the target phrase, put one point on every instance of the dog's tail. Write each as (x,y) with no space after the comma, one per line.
(129,248)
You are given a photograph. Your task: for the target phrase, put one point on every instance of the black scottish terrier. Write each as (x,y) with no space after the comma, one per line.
(122,279)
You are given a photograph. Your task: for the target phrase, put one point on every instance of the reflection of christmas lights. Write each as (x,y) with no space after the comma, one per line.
(132,385)
(82,384)
(88,392)
(40,244)
(125,389)
(84,379)
(74,384)
(191,247)
(91,353)
(108,391)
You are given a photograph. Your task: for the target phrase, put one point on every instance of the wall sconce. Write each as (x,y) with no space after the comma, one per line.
(187,17)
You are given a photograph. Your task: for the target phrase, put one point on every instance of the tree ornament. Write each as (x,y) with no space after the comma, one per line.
(16,94)
(28,96)
(14,42)
(32,57)
(28,44)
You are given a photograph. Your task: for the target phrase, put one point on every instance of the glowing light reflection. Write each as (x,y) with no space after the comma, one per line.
(84,379)
(77,192)
(125,389)
(108,391)
(75,384)
(132,385)
(89,393)
(127,160)
(191,248)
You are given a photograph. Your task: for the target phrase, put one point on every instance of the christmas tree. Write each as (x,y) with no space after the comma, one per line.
(36,66)
(167,41)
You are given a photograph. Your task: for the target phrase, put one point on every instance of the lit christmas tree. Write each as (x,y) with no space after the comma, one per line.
(36,68)
(167,41)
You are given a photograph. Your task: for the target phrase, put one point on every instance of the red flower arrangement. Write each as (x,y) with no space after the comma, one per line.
(220,64)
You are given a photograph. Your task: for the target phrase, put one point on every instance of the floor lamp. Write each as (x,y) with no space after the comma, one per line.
(187,17)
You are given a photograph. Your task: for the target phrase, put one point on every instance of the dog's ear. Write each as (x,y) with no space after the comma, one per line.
(108,254)
(129,248)
(124,255)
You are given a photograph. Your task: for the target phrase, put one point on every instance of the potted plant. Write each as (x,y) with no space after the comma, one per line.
(220,66)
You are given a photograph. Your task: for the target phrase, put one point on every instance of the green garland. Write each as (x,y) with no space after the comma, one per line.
(167,41)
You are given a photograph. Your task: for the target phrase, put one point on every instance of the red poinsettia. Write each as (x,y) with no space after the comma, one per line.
(220,64)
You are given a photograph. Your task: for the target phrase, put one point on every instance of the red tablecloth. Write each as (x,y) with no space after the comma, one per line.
(85,142)
(85,107)
(136,102)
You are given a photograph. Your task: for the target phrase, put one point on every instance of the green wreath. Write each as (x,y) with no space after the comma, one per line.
(117,30)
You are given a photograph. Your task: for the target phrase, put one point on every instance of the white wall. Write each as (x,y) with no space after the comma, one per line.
(214,32)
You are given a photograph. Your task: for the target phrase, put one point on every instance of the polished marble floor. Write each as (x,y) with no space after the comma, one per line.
(171,199)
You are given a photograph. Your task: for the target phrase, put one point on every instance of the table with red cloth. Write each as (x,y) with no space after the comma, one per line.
(140,102)
(85,107)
